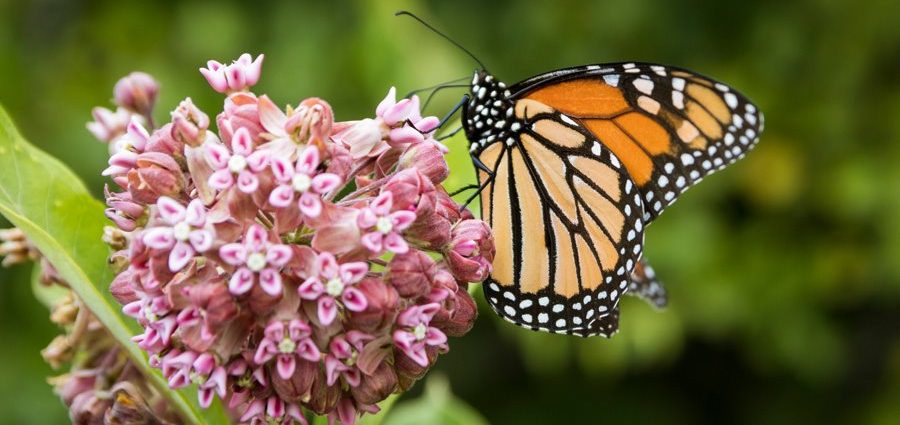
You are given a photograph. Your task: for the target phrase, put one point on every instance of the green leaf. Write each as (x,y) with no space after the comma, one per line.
(48,202)
(437,406)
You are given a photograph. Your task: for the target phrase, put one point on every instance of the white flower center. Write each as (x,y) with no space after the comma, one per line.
(286,346)
(419,331)
(301,182)
(334,287)
(182,231)
(256,262)
(384,225)
(237,163)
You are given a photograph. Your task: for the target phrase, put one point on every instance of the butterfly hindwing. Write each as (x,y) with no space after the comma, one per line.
(568,226)
(670,127)
(645,286)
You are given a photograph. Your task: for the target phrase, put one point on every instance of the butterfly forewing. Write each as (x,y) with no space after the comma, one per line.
(567,221)
(670,127)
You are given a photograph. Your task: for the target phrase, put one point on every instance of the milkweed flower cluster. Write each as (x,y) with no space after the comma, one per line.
(284,262)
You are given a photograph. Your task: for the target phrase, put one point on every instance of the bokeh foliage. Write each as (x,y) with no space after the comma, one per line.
(784,270)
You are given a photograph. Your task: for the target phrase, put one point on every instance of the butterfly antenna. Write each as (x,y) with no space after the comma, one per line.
(434,30)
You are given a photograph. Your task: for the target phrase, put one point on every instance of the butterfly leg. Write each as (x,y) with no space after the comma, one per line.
(645,286)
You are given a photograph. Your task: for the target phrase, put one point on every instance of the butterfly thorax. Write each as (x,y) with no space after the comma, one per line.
(489,115)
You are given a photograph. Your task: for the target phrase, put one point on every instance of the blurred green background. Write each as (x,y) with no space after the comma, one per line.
(783,271)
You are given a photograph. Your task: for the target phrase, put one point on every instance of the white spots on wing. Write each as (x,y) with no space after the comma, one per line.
(679,182)
(614,161)
(628,65)
(669,167)
(596,149)
(544,301)
(663,181)
(611,79)
(509,311)
(543,318)
(515,126)
(648,104)
(737,120)
(722,87)
(568,120)
(678,99)
(687,159)
(558,308)
(729,139)
(678,84)
(643,86)
(659,70)
(731,100)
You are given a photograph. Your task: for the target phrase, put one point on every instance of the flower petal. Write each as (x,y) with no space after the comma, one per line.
(242,142)
(354,272)
(233,253)
(402,219)
(306,349)
(382,203)
(278,255)
(221,179)
(256,238)
(201,240)
(308,160)
(159,238)
(286,364)
(389,101)
(271,117)
(281,196)
(179,257)
(270,281)
(282,169)
(258,161)
(196,213)
(310,205)
(310,289)
(325,182)
(216,154)
(170,210)
(327,310)
(241,282)
(434,337)
(328,265)
(373,241)
(247,182)
(395,243)
(354,299)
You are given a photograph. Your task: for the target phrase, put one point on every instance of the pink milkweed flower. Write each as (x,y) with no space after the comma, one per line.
(181,369)
(125,149)
(287,345)
(340,361)
(333,282)
(240,166)
(471,251)
(184,231)
(414,333)
(302,180)
(137,91)
(272,411)
(381,228)
(256,259)
(241,74)
(108,125)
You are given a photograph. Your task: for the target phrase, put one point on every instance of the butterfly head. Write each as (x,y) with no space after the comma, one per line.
(488,116)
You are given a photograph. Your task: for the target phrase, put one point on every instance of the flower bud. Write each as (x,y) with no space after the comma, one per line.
(411,191)
(461,320)
(129,408)
(377,386)
(156,174)
(323,397)
(382,305)
(137,91)
(296,388)
(428,159)
(471,251)
(241,111)
(15,248)
(409,273)
(311,121)
(189,123)
(70,385)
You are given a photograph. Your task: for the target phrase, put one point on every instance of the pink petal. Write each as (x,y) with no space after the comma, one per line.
(241,281)
(179,257)
(398,113)
(308,160)
(395,243)
(325,182)
(297,329)
(233,253)
(254,410)
(170,210)
(265,351)
(282,169)
(353,377)
(216,154)
(372,241)
(215,78)
(328,265)
(134,309)
(235,76)
(382,203)
(241,142)
(221,179)
(258,161)
(354,299)
(247,182)
(310,205)
(256,238)
(271,117)
(327,310)
(286,364)
(159,238)
(402,219)
(389,101)
(275,407)
(406,135)
(310,289)
(201,240)
(333,368)
(434,337)
(278,255)
(270,282)
(427,124)
(306,349)
(366,218)
(254,70)
(196,213)
(205,397)
(353,272)
(281,196)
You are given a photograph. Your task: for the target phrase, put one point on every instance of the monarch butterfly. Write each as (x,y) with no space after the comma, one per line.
(573,164)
